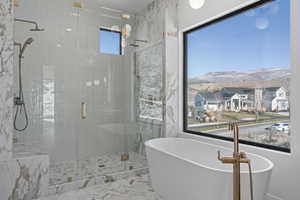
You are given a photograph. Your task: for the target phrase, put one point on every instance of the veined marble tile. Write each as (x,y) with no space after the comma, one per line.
(171,69)
(109,164)
(24,177)
(149,89)
(94,180)
(6,78)
(131,188)
(75,171)
(157,70)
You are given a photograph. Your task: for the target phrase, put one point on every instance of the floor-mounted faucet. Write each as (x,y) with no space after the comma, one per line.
(237,158)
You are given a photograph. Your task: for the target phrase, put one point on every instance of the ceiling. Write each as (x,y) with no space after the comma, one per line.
(131,6)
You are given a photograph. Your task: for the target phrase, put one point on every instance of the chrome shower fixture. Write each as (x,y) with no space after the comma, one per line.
(19,100)
(143,41)
(137,41)
(36,28)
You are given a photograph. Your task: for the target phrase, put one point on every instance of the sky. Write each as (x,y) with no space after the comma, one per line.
(109,42)
(258,38)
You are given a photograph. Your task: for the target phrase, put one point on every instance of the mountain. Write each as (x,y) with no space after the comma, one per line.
(263,74)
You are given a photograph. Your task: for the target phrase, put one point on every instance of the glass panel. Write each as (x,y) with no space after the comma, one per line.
(239,69)
(63,70)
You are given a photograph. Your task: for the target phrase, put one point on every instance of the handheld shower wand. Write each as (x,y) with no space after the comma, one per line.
(19,100)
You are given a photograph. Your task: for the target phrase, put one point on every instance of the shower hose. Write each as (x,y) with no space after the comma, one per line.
(20,103)
(251,181)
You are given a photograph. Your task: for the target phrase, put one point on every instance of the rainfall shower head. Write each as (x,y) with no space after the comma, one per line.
(26,43)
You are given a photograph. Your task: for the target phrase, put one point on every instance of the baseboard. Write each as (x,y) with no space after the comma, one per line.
(272,197)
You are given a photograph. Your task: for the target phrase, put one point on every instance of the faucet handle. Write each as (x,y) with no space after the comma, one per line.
(244,158)
(219,155)
(243,155)
(225,160)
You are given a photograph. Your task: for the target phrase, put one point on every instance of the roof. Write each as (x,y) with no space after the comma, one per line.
(210,96)
(230,91)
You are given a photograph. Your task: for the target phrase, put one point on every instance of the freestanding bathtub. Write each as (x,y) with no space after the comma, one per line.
(186,169)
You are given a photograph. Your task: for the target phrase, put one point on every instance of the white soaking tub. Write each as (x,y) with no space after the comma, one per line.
(186,169)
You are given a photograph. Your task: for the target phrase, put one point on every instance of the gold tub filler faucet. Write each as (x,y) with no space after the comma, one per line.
(237,158)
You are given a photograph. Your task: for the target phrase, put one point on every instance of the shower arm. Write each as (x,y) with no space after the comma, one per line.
(144,41)
(27,21)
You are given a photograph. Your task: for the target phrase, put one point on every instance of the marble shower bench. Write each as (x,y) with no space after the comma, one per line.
(24,176)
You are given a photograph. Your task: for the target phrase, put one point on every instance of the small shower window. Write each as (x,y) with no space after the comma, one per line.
(110,41)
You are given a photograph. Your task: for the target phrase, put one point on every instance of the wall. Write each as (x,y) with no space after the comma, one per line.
(284,183)
(171,71)
(149,71)
(6,78)
(155,74)
(24,177)
(21,176)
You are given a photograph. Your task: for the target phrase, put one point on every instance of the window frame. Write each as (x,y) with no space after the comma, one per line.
(185,80)
(120,44)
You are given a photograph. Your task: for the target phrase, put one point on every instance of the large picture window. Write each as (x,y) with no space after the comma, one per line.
(237,68)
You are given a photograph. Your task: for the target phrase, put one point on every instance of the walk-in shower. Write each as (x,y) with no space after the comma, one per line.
(84,107)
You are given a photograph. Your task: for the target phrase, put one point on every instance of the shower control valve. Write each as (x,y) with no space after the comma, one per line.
(18,101)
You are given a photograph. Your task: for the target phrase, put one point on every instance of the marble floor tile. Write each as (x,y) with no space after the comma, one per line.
(132,188)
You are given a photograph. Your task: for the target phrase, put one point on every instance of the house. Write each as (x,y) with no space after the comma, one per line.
(235,99)
(207,102)
(239,102)
(281,101)
(275,99)
(272,99)
(192,93)
(238,99)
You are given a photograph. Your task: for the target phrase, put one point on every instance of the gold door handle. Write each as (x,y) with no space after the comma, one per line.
(83,112)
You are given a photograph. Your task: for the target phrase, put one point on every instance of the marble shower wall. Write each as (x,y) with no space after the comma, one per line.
(21,176)
(6,78)
(149,74)
(171,69)
(156,70)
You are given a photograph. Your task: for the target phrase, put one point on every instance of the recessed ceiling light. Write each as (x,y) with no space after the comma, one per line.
(68,29)
(196,4)
(96,82)
(125,16)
